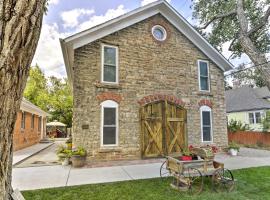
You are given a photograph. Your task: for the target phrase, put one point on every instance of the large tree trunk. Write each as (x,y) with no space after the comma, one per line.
(20,24)
(248,46)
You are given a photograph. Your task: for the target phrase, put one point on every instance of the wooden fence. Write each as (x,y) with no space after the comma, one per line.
(250,138)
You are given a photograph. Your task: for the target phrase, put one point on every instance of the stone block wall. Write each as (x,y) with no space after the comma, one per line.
(146,67)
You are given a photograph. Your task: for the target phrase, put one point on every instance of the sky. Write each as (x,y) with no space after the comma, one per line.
(66,17)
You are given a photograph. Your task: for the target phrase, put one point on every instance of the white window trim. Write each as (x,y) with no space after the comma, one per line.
(206,108)
(102,63)
(108,104)
(199,75)
(254,116)
(162,29)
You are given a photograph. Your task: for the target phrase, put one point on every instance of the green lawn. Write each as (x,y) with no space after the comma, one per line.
(253,183)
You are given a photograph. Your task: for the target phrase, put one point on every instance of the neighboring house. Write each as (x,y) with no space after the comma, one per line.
(145,84)
(30,125)
(248,105)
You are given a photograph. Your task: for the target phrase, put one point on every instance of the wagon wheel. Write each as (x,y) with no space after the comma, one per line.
(164,172)
(195,181)
(222,180)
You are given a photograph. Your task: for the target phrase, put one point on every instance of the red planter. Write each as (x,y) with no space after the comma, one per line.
(185,158)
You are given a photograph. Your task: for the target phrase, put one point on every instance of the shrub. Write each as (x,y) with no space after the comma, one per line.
(266,122)
(80,151)
(234,126)
(234,145)
(62,152)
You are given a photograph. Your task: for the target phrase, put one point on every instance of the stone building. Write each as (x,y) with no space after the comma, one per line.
(30,126)
(145,84)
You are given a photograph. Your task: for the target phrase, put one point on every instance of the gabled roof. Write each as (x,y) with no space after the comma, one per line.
(159,7)
(247,99)
(27,106)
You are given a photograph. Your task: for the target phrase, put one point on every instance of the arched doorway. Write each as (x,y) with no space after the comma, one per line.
(163,128)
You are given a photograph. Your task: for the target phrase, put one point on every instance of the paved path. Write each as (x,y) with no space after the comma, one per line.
(59,176)
(43,158)
(20,155)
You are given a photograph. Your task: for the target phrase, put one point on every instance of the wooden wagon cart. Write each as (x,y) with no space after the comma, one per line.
(188,175)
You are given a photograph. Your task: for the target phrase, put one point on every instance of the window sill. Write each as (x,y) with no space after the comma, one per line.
(108,85)
(109,149)
(205,93)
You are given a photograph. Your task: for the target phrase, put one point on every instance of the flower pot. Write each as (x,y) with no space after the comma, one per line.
(186,158)
(233,152)
(65,162)
(78,161)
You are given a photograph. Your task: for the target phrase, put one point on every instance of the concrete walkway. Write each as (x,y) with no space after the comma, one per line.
(20,155)
(59,176)
(45,157)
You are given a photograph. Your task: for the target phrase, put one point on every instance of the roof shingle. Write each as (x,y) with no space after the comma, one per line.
(247,99)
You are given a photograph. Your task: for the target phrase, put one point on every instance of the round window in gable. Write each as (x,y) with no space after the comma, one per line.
(159,33)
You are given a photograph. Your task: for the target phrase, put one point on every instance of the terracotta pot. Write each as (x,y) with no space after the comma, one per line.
(186,158)
(78,161)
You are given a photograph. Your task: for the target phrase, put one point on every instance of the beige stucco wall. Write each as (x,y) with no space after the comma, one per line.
(146,67)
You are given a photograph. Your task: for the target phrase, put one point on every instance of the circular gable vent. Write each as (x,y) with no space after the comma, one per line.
(159,33)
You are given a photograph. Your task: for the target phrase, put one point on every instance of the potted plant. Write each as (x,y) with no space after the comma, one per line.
(233,148)
(186,154)
(64,155)
(78,157)
(69,143)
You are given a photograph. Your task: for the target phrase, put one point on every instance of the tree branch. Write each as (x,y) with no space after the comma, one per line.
(220,16)
(263,21)
(231,45)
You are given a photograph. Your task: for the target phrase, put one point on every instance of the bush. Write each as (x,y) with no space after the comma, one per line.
(80,151)
(266,122)
(234,126)
(62,152)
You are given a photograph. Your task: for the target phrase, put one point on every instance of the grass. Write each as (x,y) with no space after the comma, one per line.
(252,184)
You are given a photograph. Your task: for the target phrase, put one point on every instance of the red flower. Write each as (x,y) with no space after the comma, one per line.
(214,149)
(190,147)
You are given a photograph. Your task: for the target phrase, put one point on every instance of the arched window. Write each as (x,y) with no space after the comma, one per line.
(109,123)
(206,124)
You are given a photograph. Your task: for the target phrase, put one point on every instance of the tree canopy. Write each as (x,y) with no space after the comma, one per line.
(51,94)
(244,24)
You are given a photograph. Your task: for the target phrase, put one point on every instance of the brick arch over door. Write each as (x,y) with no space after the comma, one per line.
(163,127)
(161,97)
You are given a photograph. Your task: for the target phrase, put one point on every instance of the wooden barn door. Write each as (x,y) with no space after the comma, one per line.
(151,125)
(175,136)
(163,128)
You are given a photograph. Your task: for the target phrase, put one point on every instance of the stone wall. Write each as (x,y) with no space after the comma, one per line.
(146,67)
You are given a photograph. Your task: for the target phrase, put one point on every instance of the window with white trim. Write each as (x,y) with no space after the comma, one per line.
(109,64)
(109,119)
(206,124)
(204,83)
(255,117)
